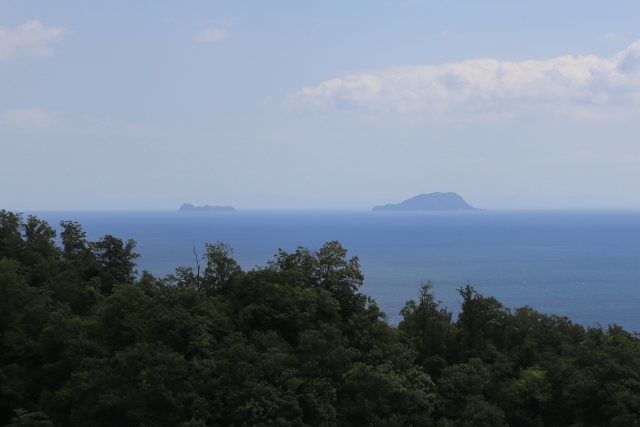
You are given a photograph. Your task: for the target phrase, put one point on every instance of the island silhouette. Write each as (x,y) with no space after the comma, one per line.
(187,207)
(430,202)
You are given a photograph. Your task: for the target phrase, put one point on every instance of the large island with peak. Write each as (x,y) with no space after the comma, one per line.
(430,202)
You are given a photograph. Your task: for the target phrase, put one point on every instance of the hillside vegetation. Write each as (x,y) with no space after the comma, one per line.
(86,341)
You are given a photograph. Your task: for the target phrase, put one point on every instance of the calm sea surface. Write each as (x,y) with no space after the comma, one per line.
(584,265)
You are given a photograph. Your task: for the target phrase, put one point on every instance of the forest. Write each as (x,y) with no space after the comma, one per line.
(87,341)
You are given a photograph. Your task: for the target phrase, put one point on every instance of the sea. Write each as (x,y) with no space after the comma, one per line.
(581,264)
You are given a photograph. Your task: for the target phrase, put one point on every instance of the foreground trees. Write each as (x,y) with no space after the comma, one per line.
(84,341)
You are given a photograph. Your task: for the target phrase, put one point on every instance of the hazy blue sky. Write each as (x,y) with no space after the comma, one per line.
(290,104)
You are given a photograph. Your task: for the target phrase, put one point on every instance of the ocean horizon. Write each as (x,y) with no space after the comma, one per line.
(581,264)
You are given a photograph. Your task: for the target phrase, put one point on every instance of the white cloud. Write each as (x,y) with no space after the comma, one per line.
(212,35)
(30,39)
(28,117)
(583,85)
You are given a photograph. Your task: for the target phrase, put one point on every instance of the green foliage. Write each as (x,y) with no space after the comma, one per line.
(478,321)
(327,269)
(144,384)
(429,328)
(11,239)
(220,266)
(479,413)
(34,419)
(74,240)
(381,396)
(84,342)
(116,258)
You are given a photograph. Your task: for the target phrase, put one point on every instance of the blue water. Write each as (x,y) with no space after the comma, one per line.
(584,265)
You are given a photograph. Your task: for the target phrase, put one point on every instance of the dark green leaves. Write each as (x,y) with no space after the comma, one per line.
(85,343)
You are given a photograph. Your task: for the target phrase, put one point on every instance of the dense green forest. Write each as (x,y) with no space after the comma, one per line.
(87,341)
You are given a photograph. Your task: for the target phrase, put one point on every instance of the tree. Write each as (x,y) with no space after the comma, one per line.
(121,319)
(11,241)
(429,326)
(479,413)
(142,385)
(328,269)
(381,396)
(30,419)
(116,257)
(221,267)
(477,316)
(39,241)
(74,239)
(24,311)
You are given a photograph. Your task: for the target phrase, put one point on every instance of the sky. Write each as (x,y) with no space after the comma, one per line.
(318,105)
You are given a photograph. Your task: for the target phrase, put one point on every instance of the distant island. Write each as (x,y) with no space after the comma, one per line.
(187,207)
(430,202)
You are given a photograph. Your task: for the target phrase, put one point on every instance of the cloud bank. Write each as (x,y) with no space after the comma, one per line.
(30,39)
(212,35)
(584,85)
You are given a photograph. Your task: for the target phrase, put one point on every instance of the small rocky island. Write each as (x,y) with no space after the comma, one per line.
(430,202)
(187,207)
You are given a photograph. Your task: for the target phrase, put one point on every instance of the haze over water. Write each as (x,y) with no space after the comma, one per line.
(580,264)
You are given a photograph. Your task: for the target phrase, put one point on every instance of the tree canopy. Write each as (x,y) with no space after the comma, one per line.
(87,341)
